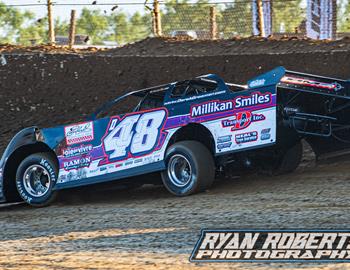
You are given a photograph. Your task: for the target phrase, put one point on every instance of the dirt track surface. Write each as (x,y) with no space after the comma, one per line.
(148,228)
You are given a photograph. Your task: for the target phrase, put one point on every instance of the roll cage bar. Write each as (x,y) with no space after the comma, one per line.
(156,92)
(144,93)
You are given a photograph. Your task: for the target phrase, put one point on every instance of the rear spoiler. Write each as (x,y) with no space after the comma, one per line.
(315,84)
(303,82)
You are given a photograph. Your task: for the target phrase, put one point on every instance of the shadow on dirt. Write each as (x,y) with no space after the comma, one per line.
(115,192)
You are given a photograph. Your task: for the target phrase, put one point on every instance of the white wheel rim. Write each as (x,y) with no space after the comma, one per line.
(36,180)
(179,170)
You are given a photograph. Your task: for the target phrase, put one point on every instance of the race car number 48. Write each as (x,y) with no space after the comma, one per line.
(135,134)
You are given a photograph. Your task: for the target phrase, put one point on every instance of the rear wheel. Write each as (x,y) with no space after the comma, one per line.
(190,168)
(35,179)
(291,159)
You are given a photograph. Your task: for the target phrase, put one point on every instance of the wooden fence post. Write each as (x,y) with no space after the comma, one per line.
(72,29)
(52,39)
(154,28)
(261,18)
(157,19)
(213,25)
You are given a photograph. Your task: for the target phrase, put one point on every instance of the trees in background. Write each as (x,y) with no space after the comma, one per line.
(181,15)
(24,28)
(233,19)
(33,33)
(287,15)
(119,23)
(12,23)
(94,24)
(344,16)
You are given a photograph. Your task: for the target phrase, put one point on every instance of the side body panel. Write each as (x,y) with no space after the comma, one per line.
(135,143)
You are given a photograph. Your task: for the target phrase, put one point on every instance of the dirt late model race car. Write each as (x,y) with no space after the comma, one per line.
(185,130)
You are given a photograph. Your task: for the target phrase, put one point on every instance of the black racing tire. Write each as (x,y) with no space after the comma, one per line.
(196,164)
(291,159)
(35,179)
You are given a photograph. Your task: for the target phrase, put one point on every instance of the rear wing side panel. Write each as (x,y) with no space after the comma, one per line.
(315,84)
(322,104)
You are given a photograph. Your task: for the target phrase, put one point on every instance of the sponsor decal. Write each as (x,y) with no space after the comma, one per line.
(272,245)
(291,110)
(254,99)
(129,163)
(81,173)
(77,163)
(94,170)
(180,100)
(72,176)
(79,133)
(148,159)
(257,83)
(138,160)
(242,120)
(47,165)
(23,193)
(211,107)
(224,145)
(224,139)
(265,134)
(312,83)
(246,137)
(76,151)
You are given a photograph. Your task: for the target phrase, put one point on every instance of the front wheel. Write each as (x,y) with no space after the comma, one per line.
(35,179)
(190,168)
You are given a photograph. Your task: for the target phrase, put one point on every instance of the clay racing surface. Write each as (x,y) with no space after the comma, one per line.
(149,229)
(108,228)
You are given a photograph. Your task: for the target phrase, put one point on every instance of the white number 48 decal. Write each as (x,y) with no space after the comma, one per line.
(125,137)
